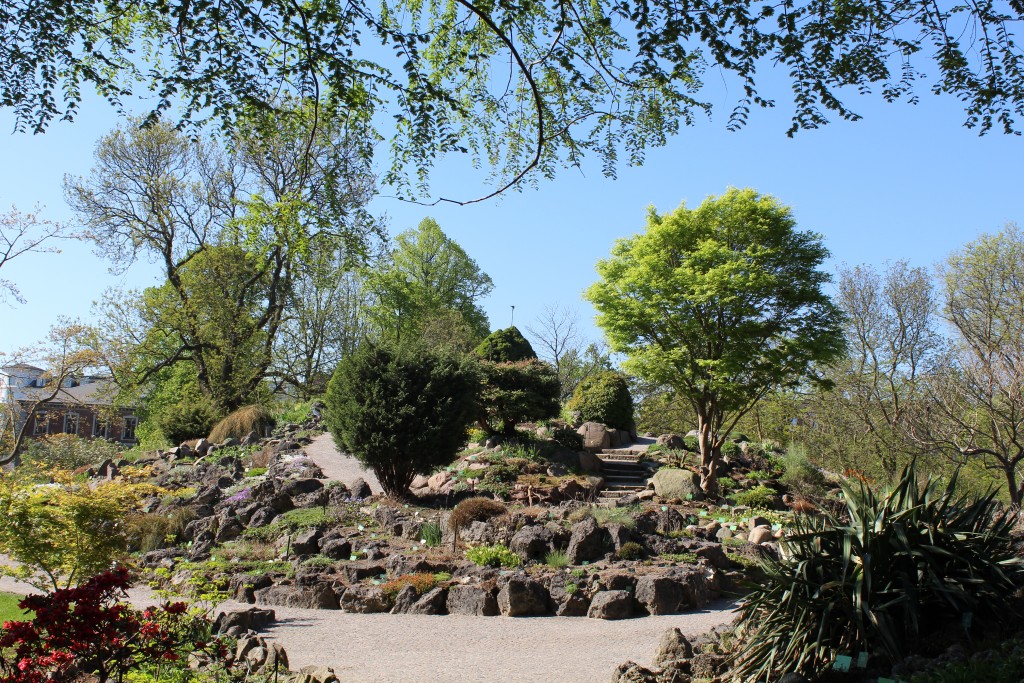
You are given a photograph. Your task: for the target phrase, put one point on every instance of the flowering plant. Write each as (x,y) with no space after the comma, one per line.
(86,628)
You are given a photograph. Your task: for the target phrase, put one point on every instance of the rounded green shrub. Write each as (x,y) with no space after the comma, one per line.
(760,496)
(631,551)
(516,391)
(188,419)
(401,412)
(605,398)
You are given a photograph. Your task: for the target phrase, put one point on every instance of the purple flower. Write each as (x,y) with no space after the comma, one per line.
(243,495)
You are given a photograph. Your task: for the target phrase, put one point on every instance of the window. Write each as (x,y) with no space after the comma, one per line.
(70,423)
(128,431)
(100,427)
(42,425)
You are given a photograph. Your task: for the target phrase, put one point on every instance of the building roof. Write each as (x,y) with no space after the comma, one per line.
(21,366)
(100,392)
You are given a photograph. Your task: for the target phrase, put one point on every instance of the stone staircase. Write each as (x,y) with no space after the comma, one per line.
(624,474)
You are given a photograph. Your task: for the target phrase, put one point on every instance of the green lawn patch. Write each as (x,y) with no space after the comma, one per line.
(9,610)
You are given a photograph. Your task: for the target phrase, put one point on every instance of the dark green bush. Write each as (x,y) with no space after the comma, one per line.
(401,412)
(191,418)
(905,565)
(514,392)
(603,397)
(631,551)
(568,438)
(691,444)
(505,346)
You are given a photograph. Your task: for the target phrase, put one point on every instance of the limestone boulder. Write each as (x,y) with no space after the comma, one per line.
(595,436)
(673,647)
(364,600)
(319,596)
(472,600)
(532,543)
(761,534)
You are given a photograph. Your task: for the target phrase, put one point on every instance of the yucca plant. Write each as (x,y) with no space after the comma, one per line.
(901,566)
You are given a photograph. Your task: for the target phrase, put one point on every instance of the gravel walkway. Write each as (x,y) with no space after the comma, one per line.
(407,648)
(337,465)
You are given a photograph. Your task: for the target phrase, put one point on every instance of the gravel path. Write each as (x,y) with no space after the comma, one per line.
(410,648)
(401,648)
(337,465)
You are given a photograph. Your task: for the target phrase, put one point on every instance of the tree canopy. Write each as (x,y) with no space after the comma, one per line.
(426,276)
(237,230)
(520,86)
(723,303)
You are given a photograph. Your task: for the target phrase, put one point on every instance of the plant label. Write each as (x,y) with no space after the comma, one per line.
(842,663)
(862,660)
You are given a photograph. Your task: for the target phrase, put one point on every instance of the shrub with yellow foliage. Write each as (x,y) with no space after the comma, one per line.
(62,532)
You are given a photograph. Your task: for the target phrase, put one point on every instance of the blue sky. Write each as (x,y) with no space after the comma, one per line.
(907,182)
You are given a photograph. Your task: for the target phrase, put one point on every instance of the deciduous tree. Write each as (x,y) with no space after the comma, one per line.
(977,395)
(520,86)
(22,233)
(64,355)
(231,230)
(723,303)
(426,275)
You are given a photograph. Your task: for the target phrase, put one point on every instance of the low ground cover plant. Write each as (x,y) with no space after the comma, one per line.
(421,583)
(497,555)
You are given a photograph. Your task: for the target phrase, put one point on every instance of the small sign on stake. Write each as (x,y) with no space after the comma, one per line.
(966,620)
(862,660)
(842,663)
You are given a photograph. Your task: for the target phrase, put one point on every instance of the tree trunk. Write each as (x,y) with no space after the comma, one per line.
(1011,481)
(709,457)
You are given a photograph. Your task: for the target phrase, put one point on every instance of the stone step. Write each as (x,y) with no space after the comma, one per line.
(624,465)
(621,454)
(620,492)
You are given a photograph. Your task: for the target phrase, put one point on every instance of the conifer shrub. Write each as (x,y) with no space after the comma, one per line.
(505,346)
(191,418)
(604,397)
(517,391)
(401,412)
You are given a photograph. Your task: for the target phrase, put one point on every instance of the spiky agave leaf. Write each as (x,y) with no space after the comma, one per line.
(897,567)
